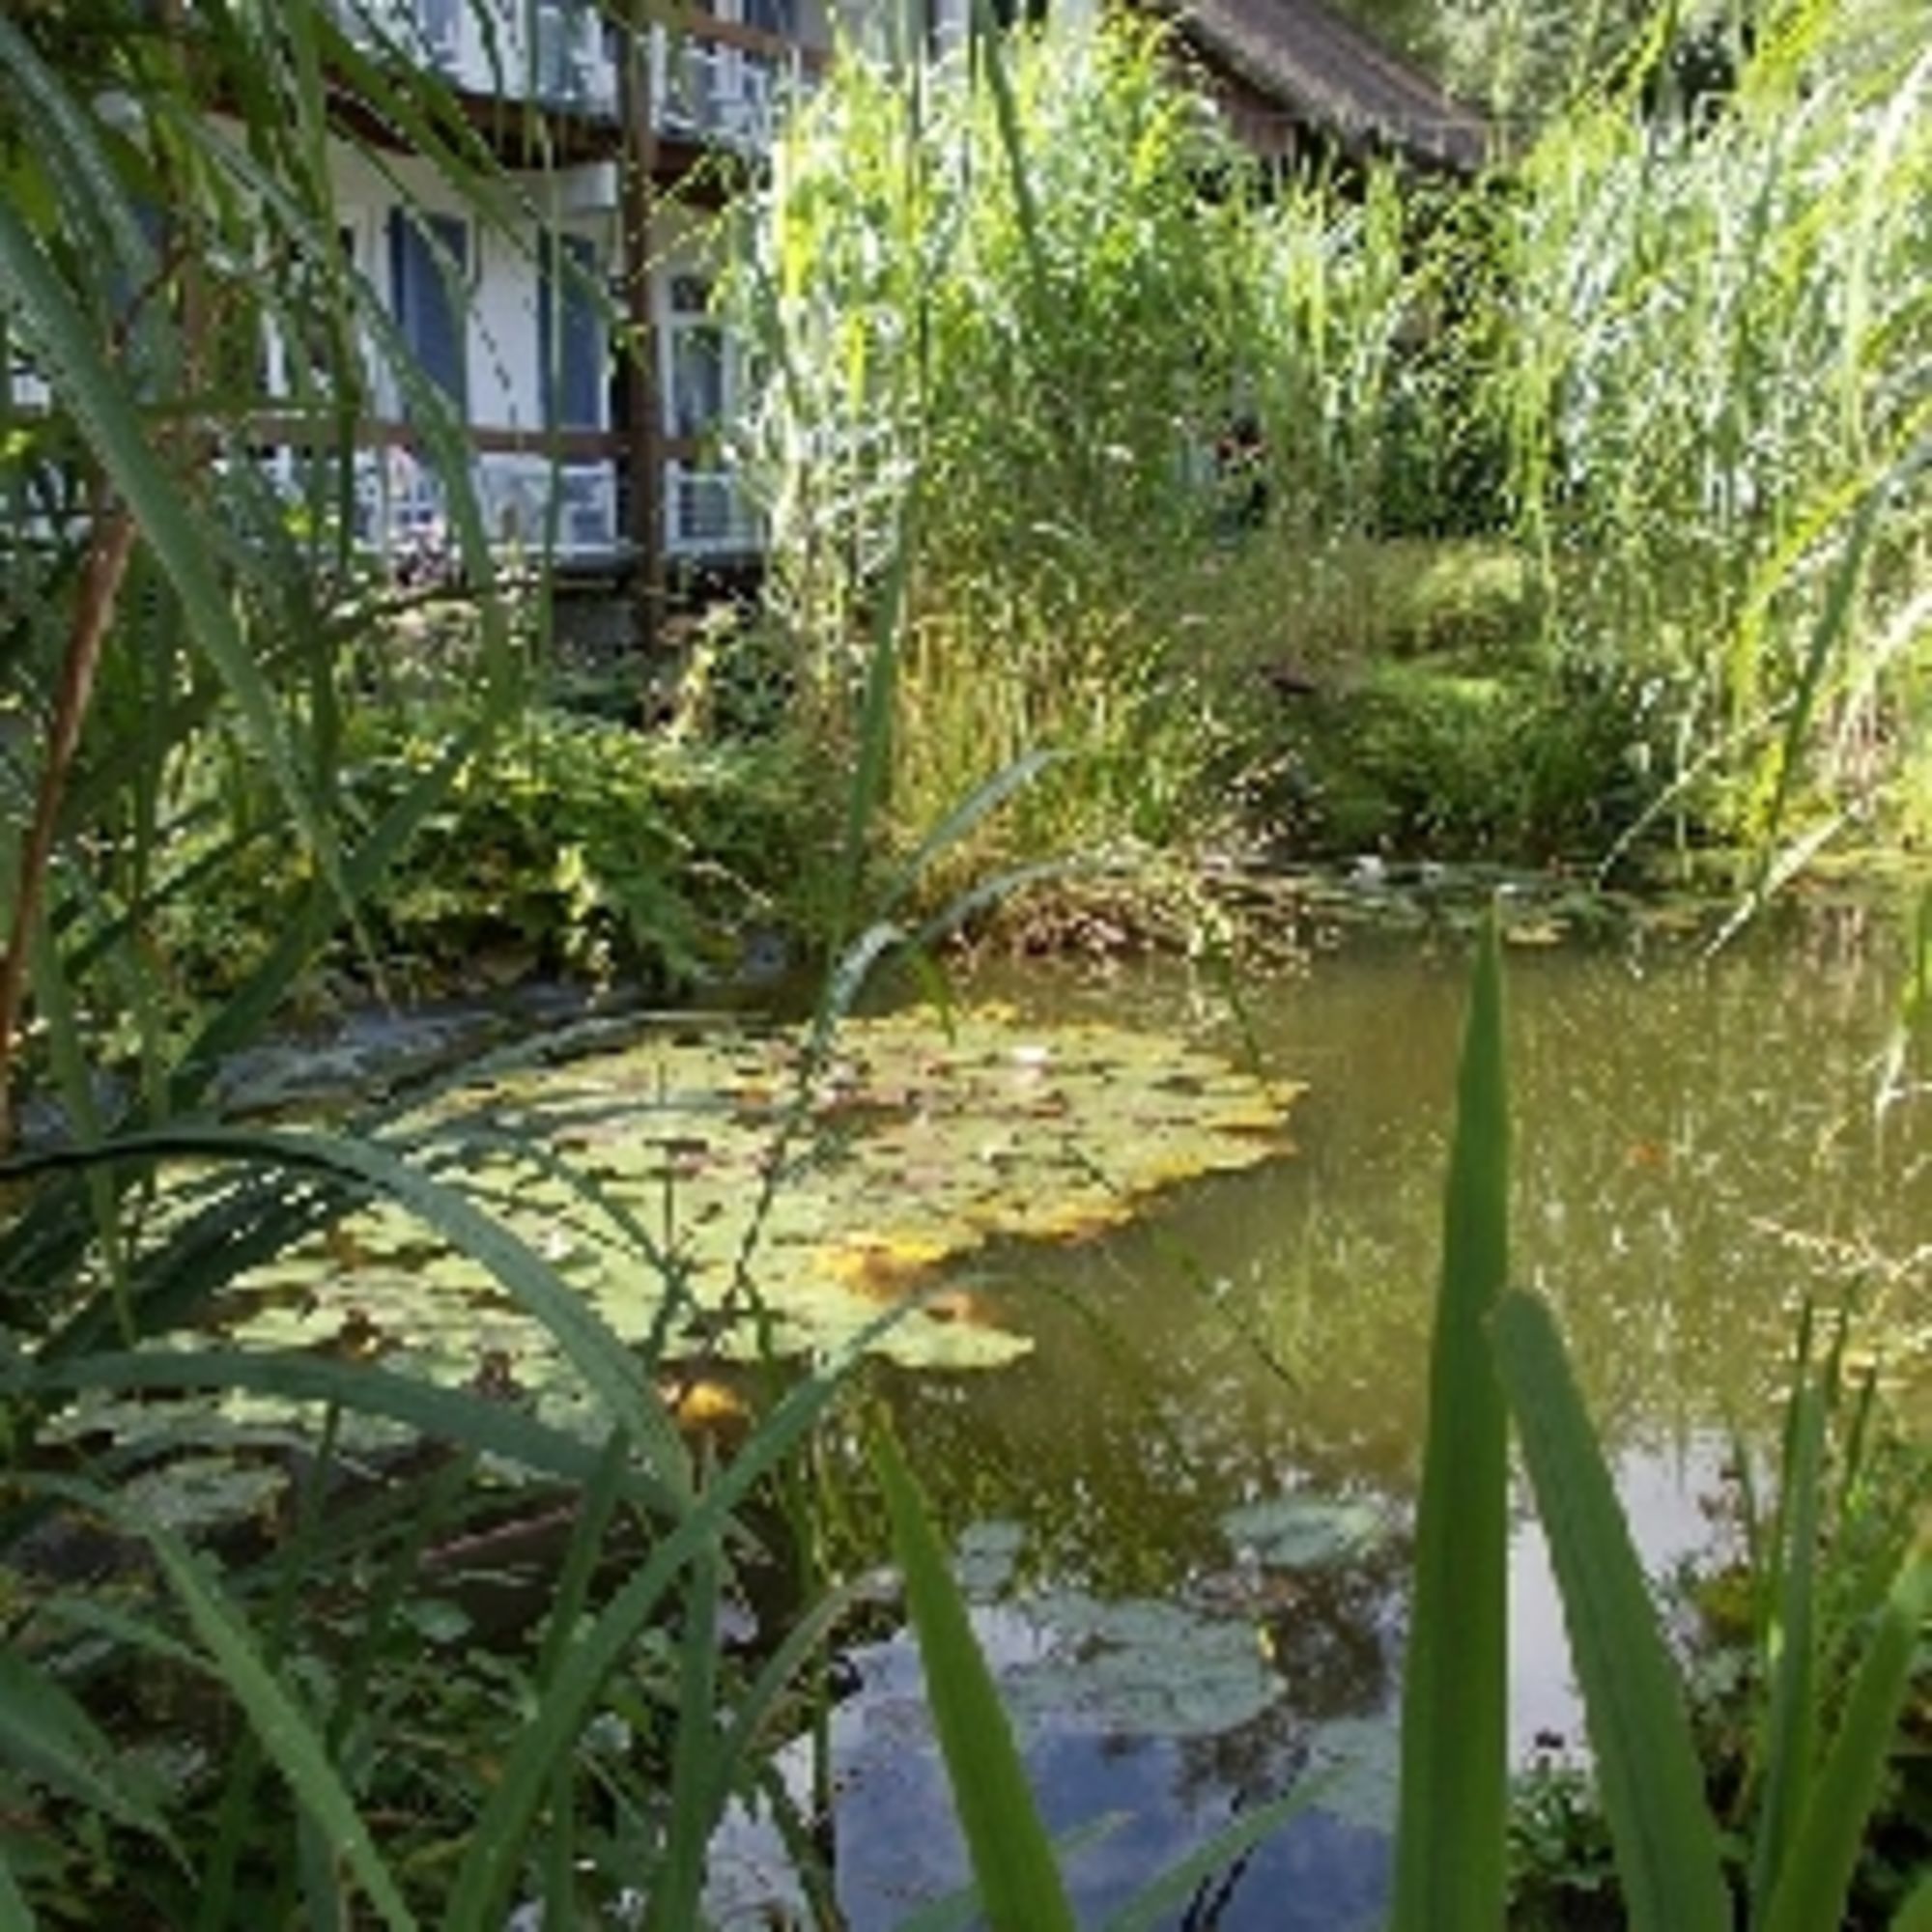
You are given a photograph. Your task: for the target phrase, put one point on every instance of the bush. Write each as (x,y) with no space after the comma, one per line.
(1424,758)
(570,845)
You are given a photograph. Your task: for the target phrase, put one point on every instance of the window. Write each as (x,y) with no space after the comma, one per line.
(773,16)
(429,257)
(699,393)
(439,27)
(570,334)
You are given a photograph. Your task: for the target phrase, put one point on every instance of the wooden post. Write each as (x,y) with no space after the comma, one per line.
(643,429)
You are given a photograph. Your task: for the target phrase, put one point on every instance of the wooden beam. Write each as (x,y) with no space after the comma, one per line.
(644,428)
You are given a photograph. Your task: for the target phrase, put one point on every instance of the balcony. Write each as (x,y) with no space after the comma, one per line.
(715,78)
(554,53)
(707,514)
(725,82)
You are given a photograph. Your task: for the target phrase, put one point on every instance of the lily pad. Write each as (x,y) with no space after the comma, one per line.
(1359,1763)
(1304,1532)
(1139,1668)
(790,1208)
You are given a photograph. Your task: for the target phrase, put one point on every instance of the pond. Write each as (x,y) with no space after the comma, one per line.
(1183,1514)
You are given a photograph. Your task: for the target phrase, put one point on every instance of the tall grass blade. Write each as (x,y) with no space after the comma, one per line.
(1790,1731)
(1449,1847)
(680,1878)
(1148,1907)
(1653,1788)
(44,1733)
(1916,1914)
(282,1731)
(489,1427)
(1012,1858)
(578,1330)
(15,1914)
(63,345)
(1815,1875)
(495,1847)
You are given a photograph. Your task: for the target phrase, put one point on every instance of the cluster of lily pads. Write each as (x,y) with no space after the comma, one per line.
(730,1194)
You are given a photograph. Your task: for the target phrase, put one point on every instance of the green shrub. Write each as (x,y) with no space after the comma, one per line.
(1418,756)
(569,845)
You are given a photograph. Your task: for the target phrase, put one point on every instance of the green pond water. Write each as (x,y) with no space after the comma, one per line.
(1185,1512)
(1164,1381)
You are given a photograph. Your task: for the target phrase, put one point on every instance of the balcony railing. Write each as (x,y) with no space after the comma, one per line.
(707,514)
(711,79)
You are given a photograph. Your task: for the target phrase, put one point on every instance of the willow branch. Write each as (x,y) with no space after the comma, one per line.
(108,550)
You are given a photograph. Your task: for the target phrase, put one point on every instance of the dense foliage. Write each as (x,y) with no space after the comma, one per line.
(1036,335)
(1078,445)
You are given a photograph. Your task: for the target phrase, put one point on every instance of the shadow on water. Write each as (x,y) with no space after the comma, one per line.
(1698,1148)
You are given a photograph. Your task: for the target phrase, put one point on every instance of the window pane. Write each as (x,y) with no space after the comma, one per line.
(570,331)
(430,311)
(773,16)
(697,378)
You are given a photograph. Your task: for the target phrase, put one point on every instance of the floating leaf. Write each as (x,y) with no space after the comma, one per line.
(1303,1532)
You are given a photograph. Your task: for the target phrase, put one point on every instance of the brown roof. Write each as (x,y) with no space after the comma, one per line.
(1329,74)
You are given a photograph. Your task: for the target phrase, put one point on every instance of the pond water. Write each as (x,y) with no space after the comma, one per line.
(1185,1514)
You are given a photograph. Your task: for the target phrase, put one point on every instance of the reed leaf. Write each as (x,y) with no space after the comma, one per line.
(580,1332)
(694,1751)
(1792,1717)
(283,1732)
(15,1914)
(1449,1872)
(1012,1858)
(1813,1878)
(46,1735)
(1916,1914)
(1647,1769)
(63,344)
(479,1893)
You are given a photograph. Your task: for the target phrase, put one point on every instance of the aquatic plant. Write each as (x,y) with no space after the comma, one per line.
(1706,357)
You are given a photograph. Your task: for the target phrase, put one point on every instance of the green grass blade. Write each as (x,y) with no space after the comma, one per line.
(582,1335)
(15,1914)
(1790,1734)
(1012,1858)
(477,1901)
(1174,1888)
(452,1415)
(63,347)
(1449,1847)
(680,1878)
(1816,1873)
(44,1733)
(283,1732)
(753,1710)
(1916,1914)
(1653,1787)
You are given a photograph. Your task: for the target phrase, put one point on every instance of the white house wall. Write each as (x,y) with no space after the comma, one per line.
(501,334)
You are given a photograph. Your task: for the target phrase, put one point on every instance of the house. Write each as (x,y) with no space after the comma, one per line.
(616,137)
(1297,82)
(596,125)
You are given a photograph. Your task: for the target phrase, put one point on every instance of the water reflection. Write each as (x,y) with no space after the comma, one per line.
(1698,1148)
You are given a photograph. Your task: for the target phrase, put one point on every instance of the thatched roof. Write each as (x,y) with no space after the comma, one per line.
(1330,75)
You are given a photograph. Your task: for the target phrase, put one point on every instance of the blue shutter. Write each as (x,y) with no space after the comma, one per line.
(428,311)
(570,334)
